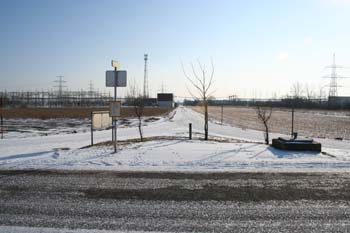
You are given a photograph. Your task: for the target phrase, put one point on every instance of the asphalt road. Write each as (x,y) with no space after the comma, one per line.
(177,202)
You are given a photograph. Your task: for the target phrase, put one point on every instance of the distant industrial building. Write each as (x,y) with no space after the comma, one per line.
(150,102)
(339,101)
(165,100)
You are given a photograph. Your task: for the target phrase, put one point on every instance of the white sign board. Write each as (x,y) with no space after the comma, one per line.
(116,78)
(101,120)
(114,108)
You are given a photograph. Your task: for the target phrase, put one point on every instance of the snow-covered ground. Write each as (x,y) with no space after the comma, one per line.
(248,154)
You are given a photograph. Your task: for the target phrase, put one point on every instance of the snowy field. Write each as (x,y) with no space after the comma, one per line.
(243,152)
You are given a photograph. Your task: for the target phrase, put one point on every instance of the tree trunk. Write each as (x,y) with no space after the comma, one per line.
(140,129)
(205,120)
(267,141)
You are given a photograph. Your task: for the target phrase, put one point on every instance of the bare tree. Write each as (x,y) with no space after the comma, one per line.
(264,115)
(297,90)
(322,94)
(137,101)
(201,81)
(309,92)
(139,105)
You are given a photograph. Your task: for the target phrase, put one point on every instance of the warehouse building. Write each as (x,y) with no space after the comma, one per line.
(339,101)
(165,100)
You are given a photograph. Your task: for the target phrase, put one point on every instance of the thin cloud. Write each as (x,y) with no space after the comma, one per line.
(282,56)
(308,40)
(337,2)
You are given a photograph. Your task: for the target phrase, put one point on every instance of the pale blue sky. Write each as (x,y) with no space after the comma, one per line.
(258,47)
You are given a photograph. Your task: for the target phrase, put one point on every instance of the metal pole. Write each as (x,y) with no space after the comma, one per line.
(190,131)
(292,121)
(114,120)
(222,113)
(1,118)
(92,129)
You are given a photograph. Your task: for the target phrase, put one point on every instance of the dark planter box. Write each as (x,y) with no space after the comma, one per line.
(300,145)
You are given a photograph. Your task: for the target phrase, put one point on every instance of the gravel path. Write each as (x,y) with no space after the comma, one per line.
(177,202)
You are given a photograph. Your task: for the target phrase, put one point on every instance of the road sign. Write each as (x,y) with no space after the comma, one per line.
(115,64)
(116,78)
(114,108)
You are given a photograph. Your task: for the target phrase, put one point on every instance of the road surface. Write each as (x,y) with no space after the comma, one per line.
(72,201)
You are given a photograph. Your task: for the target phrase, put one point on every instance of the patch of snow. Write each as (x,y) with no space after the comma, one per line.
(63,151)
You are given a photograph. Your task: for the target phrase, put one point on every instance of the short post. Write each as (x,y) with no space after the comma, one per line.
(1,118)
(92,129)
(222,113)
(292,122)
(190,131)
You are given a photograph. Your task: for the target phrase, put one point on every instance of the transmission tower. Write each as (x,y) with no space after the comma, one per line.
(163,88)
(333,86)
(60,85)
(145,80)
(91,89)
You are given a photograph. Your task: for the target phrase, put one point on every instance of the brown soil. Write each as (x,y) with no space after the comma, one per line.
(46,113)
(308,123)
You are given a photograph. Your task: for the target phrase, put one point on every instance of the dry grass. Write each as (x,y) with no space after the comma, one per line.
(308,123)
(46,113)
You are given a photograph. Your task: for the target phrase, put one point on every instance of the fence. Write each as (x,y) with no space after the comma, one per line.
(53,99)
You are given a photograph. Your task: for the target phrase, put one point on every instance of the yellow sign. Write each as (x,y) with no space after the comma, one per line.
(115,64)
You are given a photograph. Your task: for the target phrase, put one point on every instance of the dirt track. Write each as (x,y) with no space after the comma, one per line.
(308,123)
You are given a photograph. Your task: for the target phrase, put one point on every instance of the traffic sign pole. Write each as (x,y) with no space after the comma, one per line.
(114,119)
(115,78)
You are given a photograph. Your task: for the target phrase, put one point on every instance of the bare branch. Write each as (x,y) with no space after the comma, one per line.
(212,74)
(189,79)
(195,74)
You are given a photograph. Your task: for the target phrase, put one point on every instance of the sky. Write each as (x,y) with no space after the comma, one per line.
(259,48)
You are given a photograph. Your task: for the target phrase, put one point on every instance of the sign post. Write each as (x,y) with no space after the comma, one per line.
(115,78)
(1,117)
(114,119)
